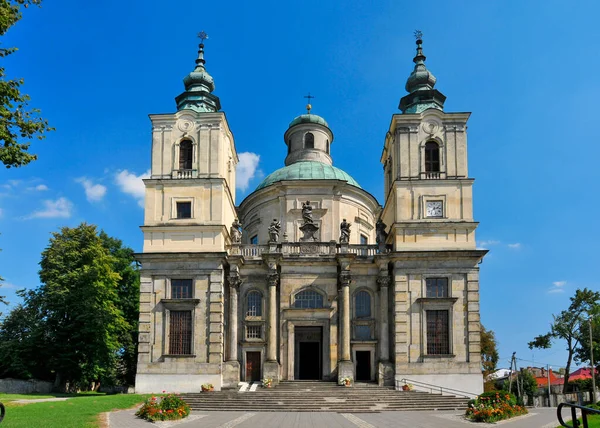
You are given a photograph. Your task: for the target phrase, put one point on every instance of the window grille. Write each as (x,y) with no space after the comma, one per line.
(362,304)
(185,155)
(184,210)
(308,299)
(309,141)
(432,157)
(254,301)
(438,335)
(253,332)
(181,289)
(362,332)
(436,287)
(180,333)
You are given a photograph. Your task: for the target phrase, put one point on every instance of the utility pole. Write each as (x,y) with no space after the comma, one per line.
(549,396)
(512,361)
(592,363)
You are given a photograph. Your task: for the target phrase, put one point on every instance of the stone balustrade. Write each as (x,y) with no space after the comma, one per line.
(253,251)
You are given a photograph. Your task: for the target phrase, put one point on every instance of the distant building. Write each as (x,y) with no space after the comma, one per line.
(317,280)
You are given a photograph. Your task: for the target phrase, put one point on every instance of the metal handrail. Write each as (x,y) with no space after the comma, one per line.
(2,412)
(584,412)
(431,387)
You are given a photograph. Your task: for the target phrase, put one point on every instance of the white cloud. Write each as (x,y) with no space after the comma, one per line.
(484,245)
(246,169)
(7,285)
(93,192)
(41,188)
(515,246)
(132,184)
(61,208)
(557,287)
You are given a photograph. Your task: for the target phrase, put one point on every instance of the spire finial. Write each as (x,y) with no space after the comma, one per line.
(200,61)
(419,58)
(308,106)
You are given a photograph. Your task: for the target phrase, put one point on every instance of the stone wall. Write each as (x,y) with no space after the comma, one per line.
(17,386)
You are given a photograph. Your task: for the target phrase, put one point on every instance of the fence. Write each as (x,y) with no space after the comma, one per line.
(16,386)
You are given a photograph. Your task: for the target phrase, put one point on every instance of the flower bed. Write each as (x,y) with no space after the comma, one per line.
(167,408)
(494,406)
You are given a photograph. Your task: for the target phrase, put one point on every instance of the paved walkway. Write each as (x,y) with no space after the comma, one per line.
(537,418)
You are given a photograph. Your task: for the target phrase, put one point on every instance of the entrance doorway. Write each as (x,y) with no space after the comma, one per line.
(363,365)
(308,353)
(252,366)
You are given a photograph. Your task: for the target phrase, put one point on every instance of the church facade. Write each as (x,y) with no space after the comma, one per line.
(309,277)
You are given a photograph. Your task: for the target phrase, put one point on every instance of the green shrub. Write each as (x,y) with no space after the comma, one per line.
(169,407)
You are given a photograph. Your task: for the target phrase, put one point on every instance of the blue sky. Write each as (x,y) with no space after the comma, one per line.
(526,70)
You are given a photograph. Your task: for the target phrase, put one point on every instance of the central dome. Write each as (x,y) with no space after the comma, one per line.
(307,170)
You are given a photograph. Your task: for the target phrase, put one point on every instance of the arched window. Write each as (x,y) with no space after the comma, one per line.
(308,299)
(185,155)
(254,303)
(362,304)
(327,146)
(432,157)
(289,146)
(309,141)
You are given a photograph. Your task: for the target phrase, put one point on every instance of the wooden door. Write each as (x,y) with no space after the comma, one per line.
(252,366)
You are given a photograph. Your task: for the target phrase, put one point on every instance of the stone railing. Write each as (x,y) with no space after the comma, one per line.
(253,251)
(184,173)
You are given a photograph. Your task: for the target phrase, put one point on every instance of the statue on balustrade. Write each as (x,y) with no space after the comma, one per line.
(380,234)
(236,232)
(274,229)
(344,232)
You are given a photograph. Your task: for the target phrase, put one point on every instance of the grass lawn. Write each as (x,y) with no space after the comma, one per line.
(79,411)
(593,422)
(4,398)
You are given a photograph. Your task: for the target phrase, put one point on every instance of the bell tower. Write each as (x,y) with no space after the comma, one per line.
(190,195)
(428,192)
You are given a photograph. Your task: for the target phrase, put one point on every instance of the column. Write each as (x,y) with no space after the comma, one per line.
(233,321)
(384,347)
(272,348)
(346,321)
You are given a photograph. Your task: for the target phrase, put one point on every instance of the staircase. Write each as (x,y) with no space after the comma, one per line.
(318,396)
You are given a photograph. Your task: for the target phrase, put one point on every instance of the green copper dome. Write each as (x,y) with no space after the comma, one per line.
(307,170)
(308,118)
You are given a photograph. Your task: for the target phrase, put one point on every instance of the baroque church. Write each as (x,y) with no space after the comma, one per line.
(309,277)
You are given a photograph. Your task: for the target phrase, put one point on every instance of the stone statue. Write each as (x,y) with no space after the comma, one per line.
(307,213)
(274,229)
(236,232)
(344,232)
(380,234)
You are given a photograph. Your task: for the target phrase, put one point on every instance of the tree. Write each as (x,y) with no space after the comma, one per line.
(567,326)
(76,326)
(128,290)
(582,353)
(17,120)
(489,352)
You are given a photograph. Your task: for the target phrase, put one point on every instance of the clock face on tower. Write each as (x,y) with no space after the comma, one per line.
(435,209)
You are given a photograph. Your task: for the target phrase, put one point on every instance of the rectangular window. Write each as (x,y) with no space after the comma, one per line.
(254,240)
(438,334)
(436,287)
(181,289)
(180,333)
(253,332)
(364,240)
(362,332)
(184,210)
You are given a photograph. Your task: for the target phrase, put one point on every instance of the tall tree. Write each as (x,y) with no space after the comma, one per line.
(18,122)
(75,326)
(567,326)
(128,290)
(582,353)
(489,352)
